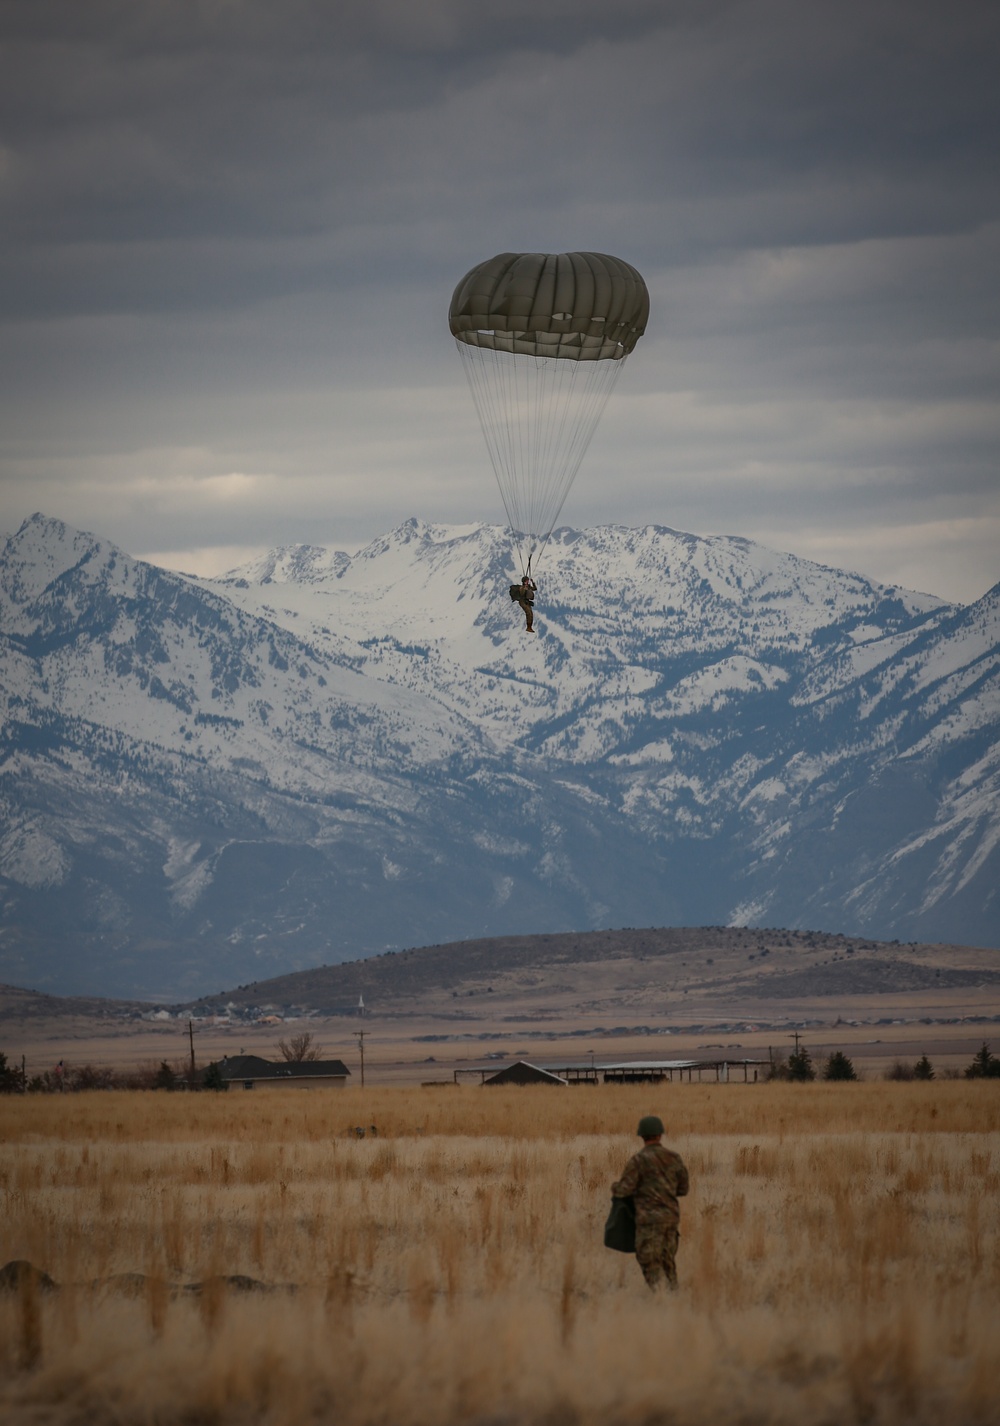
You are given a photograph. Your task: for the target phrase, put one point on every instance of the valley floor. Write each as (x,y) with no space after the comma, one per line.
(427,1043)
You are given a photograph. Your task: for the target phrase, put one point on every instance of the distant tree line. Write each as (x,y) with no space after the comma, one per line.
(923,1069)
(71,1079)
(798,1068)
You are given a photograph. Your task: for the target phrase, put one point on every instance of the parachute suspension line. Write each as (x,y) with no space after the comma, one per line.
(538,415)
(543,338)
(488,398)
(577,398)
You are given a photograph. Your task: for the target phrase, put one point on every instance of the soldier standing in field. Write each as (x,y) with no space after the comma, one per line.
(654,1178)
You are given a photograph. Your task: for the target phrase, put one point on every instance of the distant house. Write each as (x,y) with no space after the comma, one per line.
(252,1072)
(521,1072)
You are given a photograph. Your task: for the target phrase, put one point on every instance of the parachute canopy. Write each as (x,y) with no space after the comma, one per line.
(572,306)
(543,338)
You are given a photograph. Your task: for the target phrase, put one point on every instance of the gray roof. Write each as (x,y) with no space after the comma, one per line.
(559,1067)
(521,1072)
(679,1064)
(651,1064)
(254,1067)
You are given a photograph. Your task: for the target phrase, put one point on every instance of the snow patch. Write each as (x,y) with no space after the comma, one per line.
(660,751)
(32,858)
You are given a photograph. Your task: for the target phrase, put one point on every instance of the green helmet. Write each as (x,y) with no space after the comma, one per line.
(650,1126)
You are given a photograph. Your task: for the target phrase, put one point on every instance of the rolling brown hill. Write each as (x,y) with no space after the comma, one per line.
(663,973)
(631,992)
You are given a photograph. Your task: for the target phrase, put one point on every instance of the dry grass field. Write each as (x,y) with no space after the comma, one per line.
(839,1258)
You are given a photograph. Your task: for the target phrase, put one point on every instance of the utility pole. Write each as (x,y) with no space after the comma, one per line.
(191,1038)
(795,1037)
(361,1046)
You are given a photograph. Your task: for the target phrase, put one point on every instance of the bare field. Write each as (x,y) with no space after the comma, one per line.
(839,1259)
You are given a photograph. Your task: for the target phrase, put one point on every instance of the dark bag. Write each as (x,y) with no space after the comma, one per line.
(619,1230)
(515,592)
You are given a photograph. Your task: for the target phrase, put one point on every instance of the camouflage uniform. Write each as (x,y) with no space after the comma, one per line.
(655,1177)
(526,599)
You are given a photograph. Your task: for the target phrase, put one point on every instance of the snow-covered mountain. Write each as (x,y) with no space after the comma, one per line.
(322,754)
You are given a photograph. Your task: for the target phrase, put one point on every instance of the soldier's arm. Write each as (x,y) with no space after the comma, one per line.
(629,1181)
(683,1182)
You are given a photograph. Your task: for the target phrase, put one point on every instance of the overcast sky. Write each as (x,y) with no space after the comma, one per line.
(231,230)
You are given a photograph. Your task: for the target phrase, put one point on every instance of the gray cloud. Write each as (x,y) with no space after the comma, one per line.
(231,232)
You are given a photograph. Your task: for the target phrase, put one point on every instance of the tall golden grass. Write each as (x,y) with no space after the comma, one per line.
(839,1257)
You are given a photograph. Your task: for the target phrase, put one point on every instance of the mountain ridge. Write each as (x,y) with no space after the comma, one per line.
(320,755)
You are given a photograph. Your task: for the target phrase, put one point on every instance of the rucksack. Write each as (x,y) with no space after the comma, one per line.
(515,592)
(619,1230)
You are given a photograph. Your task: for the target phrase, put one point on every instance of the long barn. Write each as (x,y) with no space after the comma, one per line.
(619,1072)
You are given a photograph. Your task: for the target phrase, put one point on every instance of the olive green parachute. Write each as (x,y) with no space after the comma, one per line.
(543,337)
(572,306)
